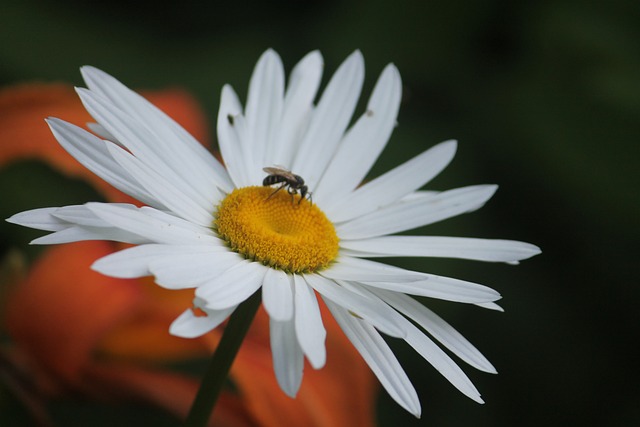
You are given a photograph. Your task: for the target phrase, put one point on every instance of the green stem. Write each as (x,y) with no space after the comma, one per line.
(216,375)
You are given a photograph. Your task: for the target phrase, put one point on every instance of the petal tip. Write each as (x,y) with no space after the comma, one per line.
(89,71)
(53,121)
(450,146)
(534,250)
(314,54)
(355,59)
(270,56)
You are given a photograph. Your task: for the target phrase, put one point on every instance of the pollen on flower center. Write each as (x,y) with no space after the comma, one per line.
(276,231)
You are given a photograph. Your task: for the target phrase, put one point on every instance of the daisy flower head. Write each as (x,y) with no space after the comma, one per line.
(297,232)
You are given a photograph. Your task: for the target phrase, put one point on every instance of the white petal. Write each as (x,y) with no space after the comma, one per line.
(287,356)
(81,215)
(172,142)
(298,105)
(348,268)
(188,325)
(143,144)
(179,222)
(188,270)
(277,295)
(418,212)
(443,363)
(154,225)
(81,233)
(136,138)
(363,143)
(427,349)
(438,328)
(490,306)
(406,281)
(134,262)
(378,314)
(329,120)
(263,112)
(191,207)
(449,247)
(393,185)
(444,288)
(72,224)
(40,219)
(233,286)
(99,130)
(379,357)
(308,324)
(229,139)
(93,154)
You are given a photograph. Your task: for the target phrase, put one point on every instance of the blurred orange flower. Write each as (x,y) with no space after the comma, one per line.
(74,330)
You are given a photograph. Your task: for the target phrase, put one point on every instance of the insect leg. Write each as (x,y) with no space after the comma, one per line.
(292,191)
(284,184)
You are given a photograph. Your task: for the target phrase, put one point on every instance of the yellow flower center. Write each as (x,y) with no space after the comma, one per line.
(277,231)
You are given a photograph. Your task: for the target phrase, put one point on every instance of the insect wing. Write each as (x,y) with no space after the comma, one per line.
(280,172)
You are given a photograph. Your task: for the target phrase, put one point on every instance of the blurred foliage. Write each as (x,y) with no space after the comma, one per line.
(544,97)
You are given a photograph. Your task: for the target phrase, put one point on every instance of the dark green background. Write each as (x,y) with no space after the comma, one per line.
(544,97)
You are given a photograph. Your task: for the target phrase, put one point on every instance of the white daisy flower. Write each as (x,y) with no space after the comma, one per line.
(219,230)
